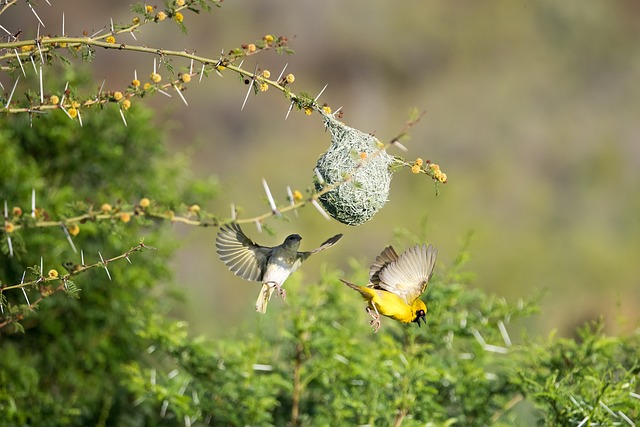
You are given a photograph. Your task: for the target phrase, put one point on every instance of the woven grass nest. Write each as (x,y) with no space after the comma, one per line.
(359,155)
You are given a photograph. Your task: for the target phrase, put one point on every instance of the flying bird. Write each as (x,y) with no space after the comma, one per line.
(396,283)
(269,265)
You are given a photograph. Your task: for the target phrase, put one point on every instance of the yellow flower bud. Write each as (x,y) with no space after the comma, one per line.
(125,217)
(161,16)
(117,95)
(110,40)
(53,274)
(251,47)
(156,78)
(74,229)
(266,74)
(185,78)
(9,227)
(54,99)
(179,17)
(16,211)
(126,104)
(290,78)
(144,202)
(297,196)
(106,208)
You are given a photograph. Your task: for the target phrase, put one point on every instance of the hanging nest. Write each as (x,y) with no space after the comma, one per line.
(359,155)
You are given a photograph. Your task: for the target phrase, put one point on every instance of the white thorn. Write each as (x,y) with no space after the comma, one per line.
(26,297)
(233,211)
(105,266)
(272,203)
(202,74)
(289,110)
(62,24)
(325,86)
(282,72)
(33,202)
(316,205)
(66,232)
(505,334)
(6,31)
(82,257)
(64,94)
(168,95)
(135,74)
(10,244)
(180,95)
(41,266)
(112,30)
(191,67)
(154,65)
(20,62)
(400,146)
(478,337)
(34,12)
(41,88)
(253,79)
(6,210)
(97,32)
(585,419)
(33,63)
(12,91)
(122,115)
(258,226)
(79,117)
(319,176)
(133,35)
(627,419)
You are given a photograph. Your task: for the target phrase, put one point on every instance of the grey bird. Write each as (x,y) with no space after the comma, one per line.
(269,265)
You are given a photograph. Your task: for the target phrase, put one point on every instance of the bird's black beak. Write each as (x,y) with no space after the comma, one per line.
(421,315)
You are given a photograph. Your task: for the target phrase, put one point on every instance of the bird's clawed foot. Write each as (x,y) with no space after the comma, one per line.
(375,322)
(281,292)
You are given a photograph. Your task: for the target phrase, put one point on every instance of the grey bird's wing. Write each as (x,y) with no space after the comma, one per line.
(244,257)
(325,245)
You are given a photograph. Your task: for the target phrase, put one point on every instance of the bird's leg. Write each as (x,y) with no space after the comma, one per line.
(375,323)
(279,289)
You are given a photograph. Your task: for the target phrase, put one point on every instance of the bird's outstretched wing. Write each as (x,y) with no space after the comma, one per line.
(387,256)
(409,274)
(244,257)
(326,244)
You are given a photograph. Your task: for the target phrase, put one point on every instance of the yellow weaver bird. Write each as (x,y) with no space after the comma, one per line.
(271,266)
(396,283)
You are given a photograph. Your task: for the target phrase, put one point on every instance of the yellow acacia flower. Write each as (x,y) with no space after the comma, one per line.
(251,47)
(266,74)
(73,113)
(308,111)
(126,104)
(415,168)
(27,48)
(144,202)
(297,196)
(161,16)
(54,99)
(326,109)
(16,211)
(268,38)
(135,83)
(147,86)
(117,95)
(179,3)
(194,209)
(419,161)
(74,229)
(110,40)
(106,208)
(290,78)
(53,273)
(179,17)
(9,227)
(156,78)
(125,217)
(149,9)
(185,78)
(264,87)
(136,20)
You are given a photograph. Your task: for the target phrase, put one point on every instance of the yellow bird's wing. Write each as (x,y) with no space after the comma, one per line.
(409,274)
(244,257)
(387,256)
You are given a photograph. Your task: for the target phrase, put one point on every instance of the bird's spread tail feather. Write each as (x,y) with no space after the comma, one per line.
(264,297)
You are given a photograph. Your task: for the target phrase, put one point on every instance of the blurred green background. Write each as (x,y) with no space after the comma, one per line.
(531,111)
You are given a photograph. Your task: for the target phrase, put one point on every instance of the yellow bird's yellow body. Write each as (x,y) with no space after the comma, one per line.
(389,304)
(396,284)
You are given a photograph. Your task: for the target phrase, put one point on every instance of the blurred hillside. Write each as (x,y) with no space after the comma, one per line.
(531,111)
